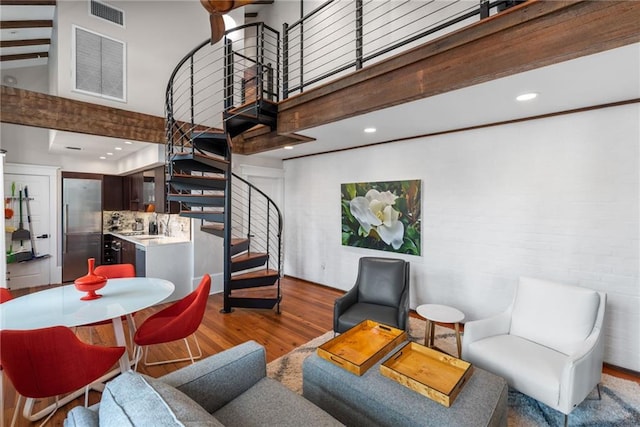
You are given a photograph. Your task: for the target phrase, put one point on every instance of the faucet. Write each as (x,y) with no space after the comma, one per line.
(166,225)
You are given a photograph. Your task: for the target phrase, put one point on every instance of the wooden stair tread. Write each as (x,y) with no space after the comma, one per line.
(248,256)
(255,274)
(196,196)
(199,177)
(215,226)
(253,102)
(177,156)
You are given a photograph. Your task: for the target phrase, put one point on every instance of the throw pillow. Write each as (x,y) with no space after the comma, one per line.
(133,399)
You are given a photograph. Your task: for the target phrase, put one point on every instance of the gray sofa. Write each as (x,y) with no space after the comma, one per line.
(228,389)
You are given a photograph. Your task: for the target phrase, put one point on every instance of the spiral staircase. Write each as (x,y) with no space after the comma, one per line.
(215,94)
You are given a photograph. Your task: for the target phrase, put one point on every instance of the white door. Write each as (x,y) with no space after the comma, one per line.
(37,271)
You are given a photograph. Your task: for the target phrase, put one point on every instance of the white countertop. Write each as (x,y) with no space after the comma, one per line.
(148,240)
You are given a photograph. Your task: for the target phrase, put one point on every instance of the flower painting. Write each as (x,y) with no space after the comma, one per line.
(382,215)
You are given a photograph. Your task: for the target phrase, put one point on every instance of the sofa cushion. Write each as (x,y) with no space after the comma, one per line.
(555,315)
(530,368)
(133,399)
(81,417)
(215,380)
(269,403)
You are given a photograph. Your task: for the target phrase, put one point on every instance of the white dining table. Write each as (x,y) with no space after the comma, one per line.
(62,306)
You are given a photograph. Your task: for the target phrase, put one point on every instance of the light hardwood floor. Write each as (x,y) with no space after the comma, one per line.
(306,312)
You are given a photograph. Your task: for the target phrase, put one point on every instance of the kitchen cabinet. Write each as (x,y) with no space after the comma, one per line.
(112,193)
(127,252)
(134,185)
(137,191)
(172,262)
(162,257)
(160,188)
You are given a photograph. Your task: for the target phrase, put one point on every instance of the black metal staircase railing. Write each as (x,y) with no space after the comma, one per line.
(340,37)
(219,91)
(215,93)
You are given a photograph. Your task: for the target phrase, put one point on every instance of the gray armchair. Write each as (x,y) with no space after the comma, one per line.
(381,294)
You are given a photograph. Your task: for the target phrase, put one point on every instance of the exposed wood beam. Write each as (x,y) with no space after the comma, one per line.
(23,107)
(8,25)
(19,56)
(27,2)
(30,42)
(529,36)
(263,139)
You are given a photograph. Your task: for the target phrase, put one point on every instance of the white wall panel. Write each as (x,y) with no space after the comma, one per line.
(555,198)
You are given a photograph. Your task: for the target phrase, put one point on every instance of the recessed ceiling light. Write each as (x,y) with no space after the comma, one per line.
(128,142)
(109,154)
(527,96)
(10,80)
(103,158)
(288,147)
(369,130)
(118,148)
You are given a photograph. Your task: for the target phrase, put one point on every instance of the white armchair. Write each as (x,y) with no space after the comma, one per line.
(548,344)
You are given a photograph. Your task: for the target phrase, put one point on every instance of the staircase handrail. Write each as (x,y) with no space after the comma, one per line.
(203,44)
(269,199)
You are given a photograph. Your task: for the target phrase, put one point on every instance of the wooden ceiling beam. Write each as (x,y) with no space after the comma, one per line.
(526,37)
(11,25)
(20,56)
(27,2)
(29,42)
(24,107)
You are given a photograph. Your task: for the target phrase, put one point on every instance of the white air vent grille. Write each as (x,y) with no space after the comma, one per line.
(109,13)
(99,65)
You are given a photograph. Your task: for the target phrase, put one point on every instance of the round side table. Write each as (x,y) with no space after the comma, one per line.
(433,313)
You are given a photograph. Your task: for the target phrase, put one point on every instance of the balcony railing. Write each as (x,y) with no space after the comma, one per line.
(340,37)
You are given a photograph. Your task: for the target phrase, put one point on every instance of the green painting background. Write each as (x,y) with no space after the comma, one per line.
(408,204)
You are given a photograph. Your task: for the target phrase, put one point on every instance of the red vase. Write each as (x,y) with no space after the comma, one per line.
(90,283)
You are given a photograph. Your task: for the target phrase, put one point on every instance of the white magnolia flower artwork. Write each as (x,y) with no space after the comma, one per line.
(375,211)
(382,215)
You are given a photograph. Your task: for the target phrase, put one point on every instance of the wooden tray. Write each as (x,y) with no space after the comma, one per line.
(429,372)
(359,348)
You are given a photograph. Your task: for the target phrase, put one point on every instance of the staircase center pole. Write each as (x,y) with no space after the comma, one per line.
(228,102)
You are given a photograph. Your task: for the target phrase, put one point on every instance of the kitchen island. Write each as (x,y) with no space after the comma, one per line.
(163,257)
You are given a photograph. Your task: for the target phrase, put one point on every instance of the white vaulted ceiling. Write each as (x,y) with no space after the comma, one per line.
(26,29)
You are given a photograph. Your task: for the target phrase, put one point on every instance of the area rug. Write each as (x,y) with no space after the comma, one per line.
(619,407)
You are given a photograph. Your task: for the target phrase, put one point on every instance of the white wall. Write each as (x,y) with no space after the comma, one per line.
(555,198)
(158,35)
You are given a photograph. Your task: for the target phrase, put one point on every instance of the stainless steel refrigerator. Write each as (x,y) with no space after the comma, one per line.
(81,225)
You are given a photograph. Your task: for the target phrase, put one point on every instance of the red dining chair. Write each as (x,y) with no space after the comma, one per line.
(178,321)
(50,362)
(114,271)
(5,295)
